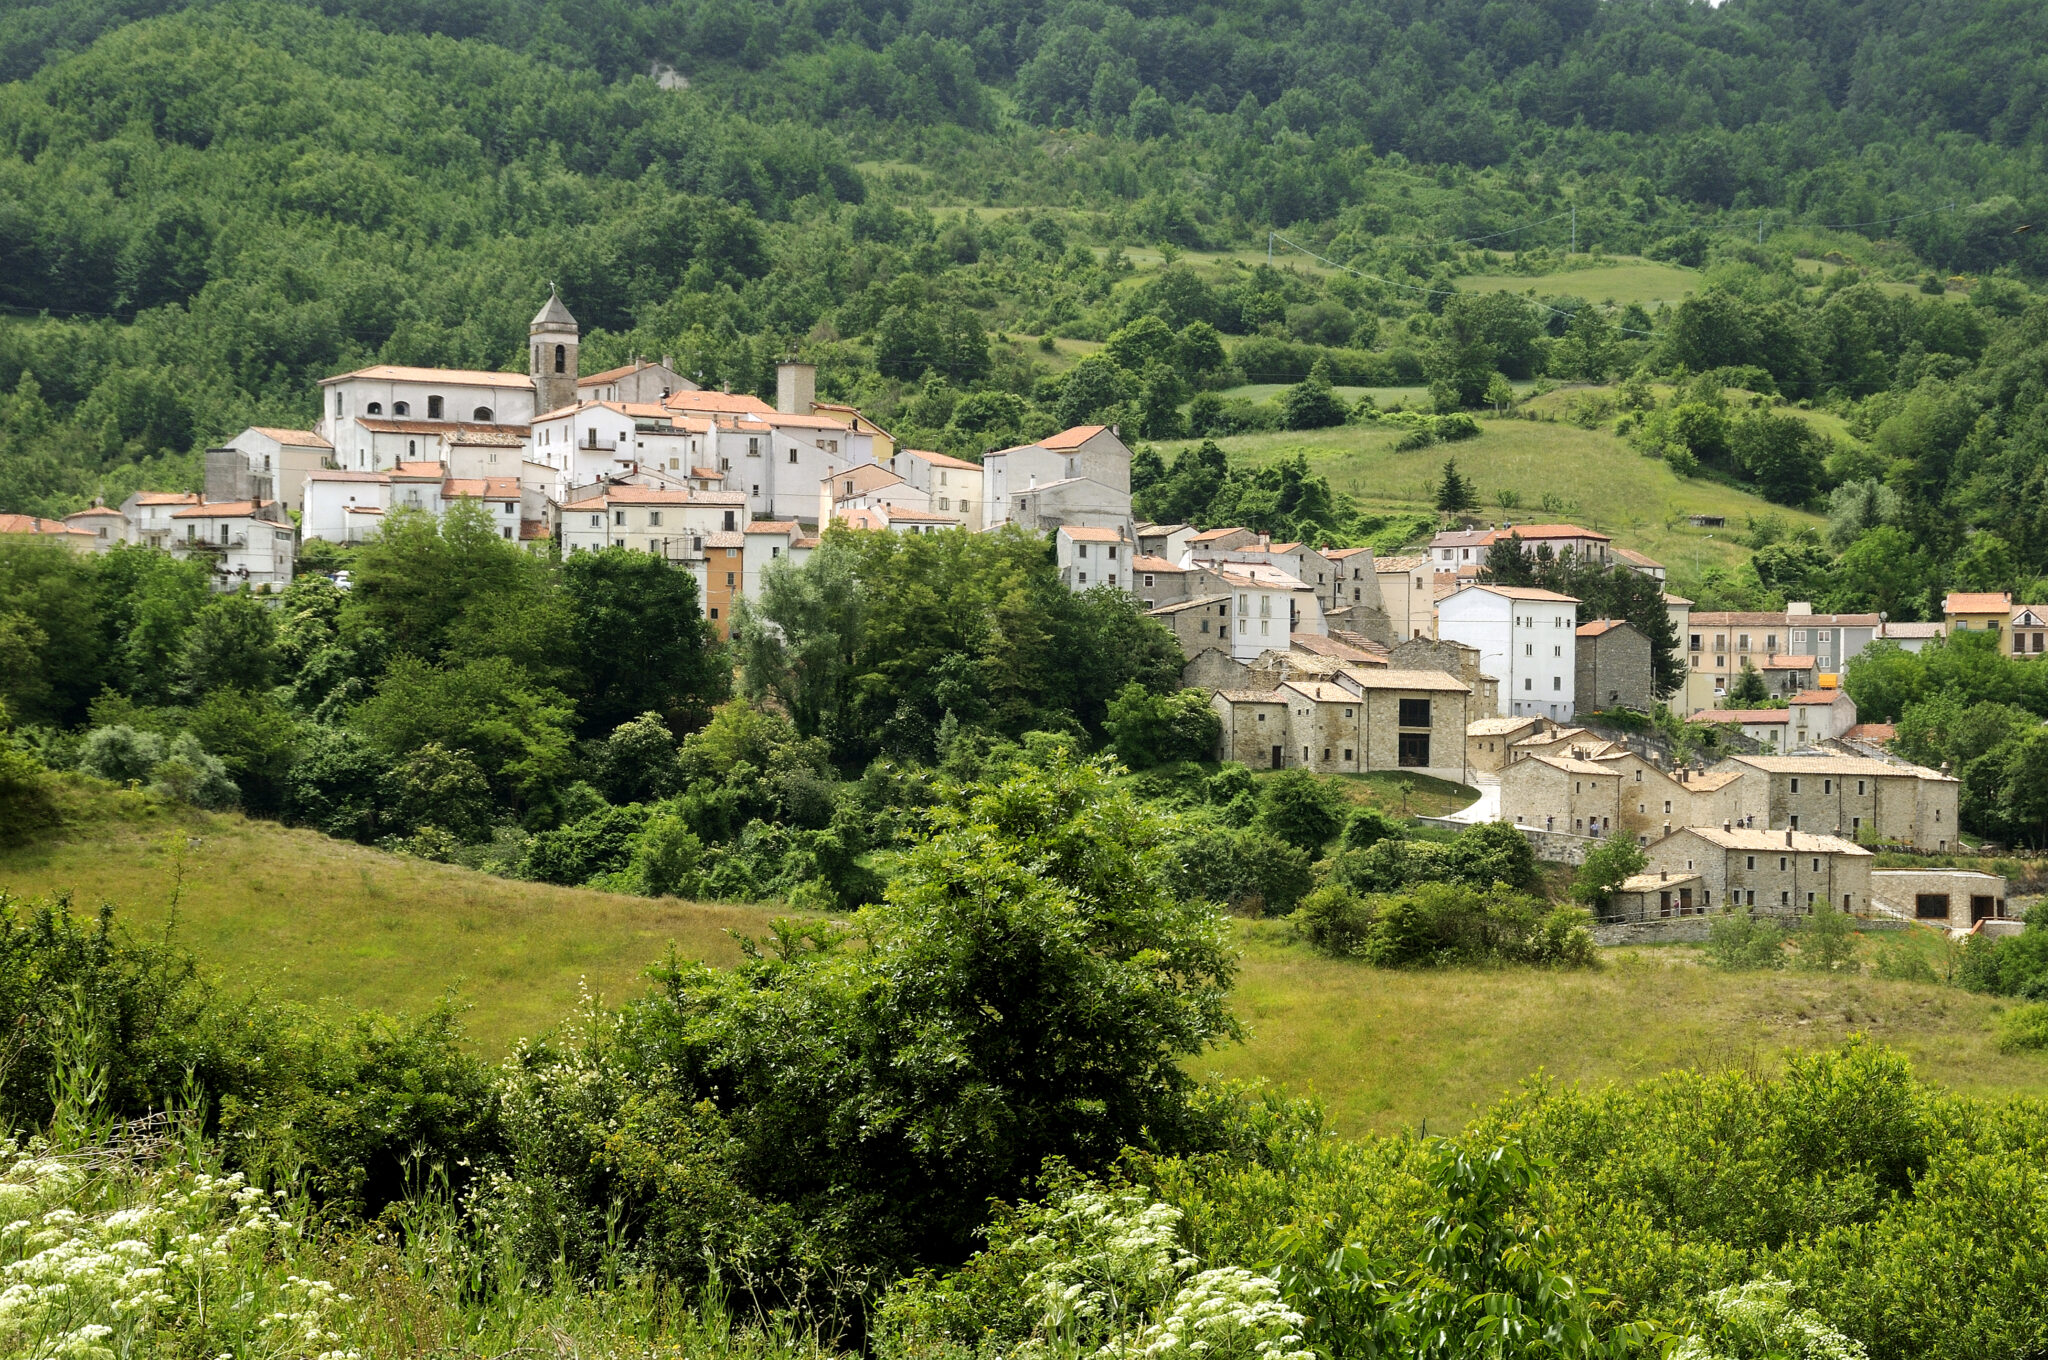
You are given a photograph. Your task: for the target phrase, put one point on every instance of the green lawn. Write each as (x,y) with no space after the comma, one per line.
(1595,479)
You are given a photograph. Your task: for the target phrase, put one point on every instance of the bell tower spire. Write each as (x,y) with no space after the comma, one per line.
(553,365)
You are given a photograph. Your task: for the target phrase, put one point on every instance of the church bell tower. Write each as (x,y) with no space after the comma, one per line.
(554,334)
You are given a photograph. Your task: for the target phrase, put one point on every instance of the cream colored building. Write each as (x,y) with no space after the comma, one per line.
(1360,719)
(1777,873)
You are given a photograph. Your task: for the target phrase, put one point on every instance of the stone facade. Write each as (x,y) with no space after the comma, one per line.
(1956,898)
(1359,719)
(1488,739)
(1779,873)
(1858,798)
(1614,669)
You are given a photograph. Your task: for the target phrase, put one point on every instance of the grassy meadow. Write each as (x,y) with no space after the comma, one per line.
(324,922)
(1593,478)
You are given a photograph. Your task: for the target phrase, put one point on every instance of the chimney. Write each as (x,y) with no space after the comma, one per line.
(796,388)
(1726,827)
(1664,875)
(1788,835)
(668,361)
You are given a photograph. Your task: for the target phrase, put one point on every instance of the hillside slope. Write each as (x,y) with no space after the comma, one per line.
(319,920)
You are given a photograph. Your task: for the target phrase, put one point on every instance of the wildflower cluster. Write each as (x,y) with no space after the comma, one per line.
(1115,1282)
(1758,1319)
(97,1257)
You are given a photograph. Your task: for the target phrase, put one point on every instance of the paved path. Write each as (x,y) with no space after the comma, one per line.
(1486,808)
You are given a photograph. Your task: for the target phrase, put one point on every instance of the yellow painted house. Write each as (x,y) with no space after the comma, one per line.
(1969,611)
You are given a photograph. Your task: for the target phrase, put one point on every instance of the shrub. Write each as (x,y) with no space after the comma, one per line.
(599,843)
(1244,868)
(2024,1029)
(1739,942)
(1334,920)
(1301,809)
(121,754)
(188,774)
(1827,942)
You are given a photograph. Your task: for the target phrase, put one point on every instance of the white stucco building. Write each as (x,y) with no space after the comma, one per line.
(1527,639)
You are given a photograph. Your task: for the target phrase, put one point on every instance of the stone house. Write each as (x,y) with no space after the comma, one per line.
(1081,475)
(1778,873)
(1357,720)
(1157,581)
(1862,799)
(1429,653)
(1956,898)
(1487,739)
(1562,793)
(1658,895)
(1614,671)
(1820,715)
(1167,541)
(1198,623)
(1771,726)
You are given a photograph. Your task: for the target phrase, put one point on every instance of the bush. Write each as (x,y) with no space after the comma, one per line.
(120,754)
(2024,1029)
(1244,868)
(1302,809)
(598,843)
(1334,920)
(1455,923)
(1739,942)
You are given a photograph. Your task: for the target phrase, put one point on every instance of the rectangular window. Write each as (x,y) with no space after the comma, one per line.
(654,519)
(1414,713)
(1557,683)
(618,517)
(1795,783)
(1413,751)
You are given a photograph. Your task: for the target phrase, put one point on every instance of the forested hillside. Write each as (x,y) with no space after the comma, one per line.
(209,206)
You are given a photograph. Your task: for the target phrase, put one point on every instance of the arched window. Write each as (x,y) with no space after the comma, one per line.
(561,358)
(482,413)
(401,408)
(376,408)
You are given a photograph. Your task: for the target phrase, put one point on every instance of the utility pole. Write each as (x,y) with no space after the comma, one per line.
(1575,229)
(1269,249)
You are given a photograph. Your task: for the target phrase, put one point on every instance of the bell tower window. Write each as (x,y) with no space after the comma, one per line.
(561,358)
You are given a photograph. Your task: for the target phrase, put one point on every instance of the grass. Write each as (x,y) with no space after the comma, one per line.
(1388,1050)
(1593,477)
(1623,281)
(325,922)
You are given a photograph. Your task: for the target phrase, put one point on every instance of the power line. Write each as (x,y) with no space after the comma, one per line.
(1555,217)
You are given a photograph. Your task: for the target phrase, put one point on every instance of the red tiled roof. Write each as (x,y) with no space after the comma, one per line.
(37,524)
(298,438)
(943,460)
(1543,531)
(1977,602)
(1815,696)
(1085,533)
(453,377)
(1071,438)
(1742,715)
(1872,732)
(220,510)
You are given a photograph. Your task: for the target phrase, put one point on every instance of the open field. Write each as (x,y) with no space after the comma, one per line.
(1596,478)
(321,921)
(1391,1049)
(1627,279)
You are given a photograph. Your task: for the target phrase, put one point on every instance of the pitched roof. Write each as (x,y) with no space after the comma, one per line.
(459,431)
(1779,661)
(1191,602)
(1542,531)
(1071,438)
(726,538)
(1599,627)
(1521,593)
(773,417)
(220,510)
(725,403)
(553,313)
(1207,534)
(1400,563)
(772,526)
(167,498)
(1636,883)
(1976,602)
(94,512)
(297,438)
(483,488)
(942,460)
(1757,838)
(1634,558)
(1872,732)
(1573,765)
(1669,598)
(1498,727)
(1088,533)
(1342,554)
(1816,696)
(340,475)
(866,477)
(1404,679)
(1250,696)
(1863,765)
(1742,715)
(452,377)
(40,526)
(1316,645)
(1896,629)
(1147,562)
(623,371)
